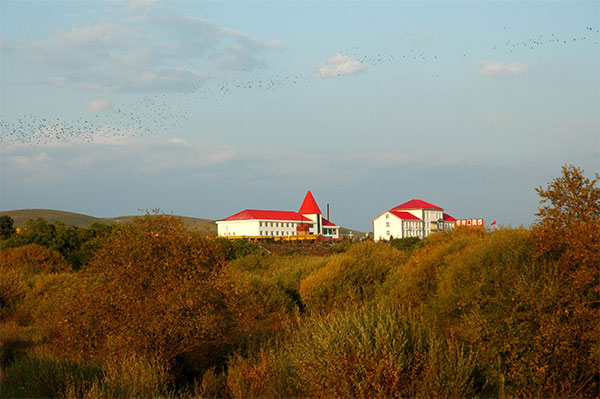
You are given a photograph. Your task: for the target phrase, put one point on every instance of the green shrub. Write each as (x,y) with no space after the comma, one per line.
(408,244)
(340,247)
(30,377)
(239,248)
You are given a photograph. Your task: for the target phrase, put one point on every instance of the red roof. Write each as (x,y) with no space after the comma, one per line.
(253,214)
(404,215)
(448,218)
(416,204)
(327,223)
(309,205)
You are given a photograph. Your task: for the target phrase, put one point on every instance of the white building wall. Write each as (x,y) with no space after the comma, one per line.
(396,227)
(413,228)
(237,228)
(315,218)
(427,216)
(387,226)
(274,228)
(277,228)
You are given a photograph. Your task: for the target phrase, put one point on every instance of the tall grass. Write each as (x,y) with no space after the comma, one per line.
(372,351)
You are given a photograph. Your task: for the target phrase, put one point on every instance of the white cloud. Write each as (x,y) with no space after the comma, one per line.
(498,69)
(32,167)
(37,163)
(178,140)
(136,4)
(101,34)
(98,105)
(58,80)
(162,52)
(339,65)
(141,4)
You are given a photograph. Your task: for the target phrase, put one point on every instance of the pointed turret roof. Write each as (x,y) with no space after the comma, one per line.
(309,205)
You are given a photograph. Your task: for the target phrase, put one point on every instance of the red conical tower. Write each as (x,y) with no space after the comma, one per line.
(309,205)
(311,210)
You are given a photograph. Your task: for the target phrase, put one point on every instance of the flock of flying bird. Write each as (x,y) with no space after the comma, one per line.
(157,113)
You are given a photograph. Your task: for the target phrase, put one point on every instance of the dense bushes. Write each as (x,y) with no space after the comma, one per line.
(157,289)
(164,311)
(21,268)
(372,351)
(351,277)
(75,244)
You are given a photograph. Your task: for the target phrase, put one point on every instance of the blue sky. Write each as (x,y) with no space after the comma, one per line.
(207,108)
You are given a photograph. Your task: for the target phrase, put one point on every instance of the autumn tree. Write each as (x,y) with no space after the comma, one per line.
(567,236)
(155,289)
(568,227)
(20,267)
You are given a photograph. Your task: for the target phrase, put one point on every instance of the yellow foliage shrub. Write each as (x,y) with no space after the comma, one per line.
(351,277)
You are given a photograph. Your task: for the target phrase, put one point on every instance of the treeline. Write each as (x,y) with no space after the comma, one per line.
(155,309)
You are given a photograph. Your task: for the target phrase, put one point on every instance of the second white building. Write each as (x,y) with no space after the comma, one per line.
(415,218)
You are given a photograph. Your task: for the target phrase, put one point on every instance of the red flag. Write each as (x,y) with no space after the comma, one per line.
(493,223)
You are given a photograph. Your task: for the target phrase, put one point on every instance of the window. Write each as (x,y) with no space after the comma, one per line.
(387,232)
(387,224)
(387,215)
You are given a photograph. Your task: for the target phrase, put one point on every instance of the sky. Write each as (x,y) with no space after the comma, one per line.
(206,108)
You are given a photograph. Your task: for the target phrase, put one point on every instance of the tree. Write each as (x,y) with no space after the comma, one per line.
(568,227)
(156,289)
(7,227)
(36,231)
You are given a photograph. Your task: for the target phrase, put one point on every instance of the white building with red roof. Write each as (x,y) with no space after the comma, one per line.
(415,218)
(263,223)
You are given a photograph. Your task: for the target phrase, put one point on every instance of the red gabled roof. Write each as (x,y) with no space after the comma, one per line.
(309,205)
(327,223)
(404,215)
(448,218)
(253,214)
(416,204)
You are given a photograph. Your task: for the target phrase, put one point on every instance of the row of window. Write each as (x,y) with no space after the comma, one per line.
(277,233)
(408,231)
(281,224)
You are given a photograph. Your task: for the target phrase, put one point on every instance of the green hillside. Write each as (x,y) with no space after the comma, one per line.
(51,215)
(196,223)
(81,220)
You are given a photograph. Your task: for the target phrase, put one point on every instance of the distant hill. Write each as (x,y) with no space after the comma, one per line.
(345,232)
(81,220)
(51,215)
